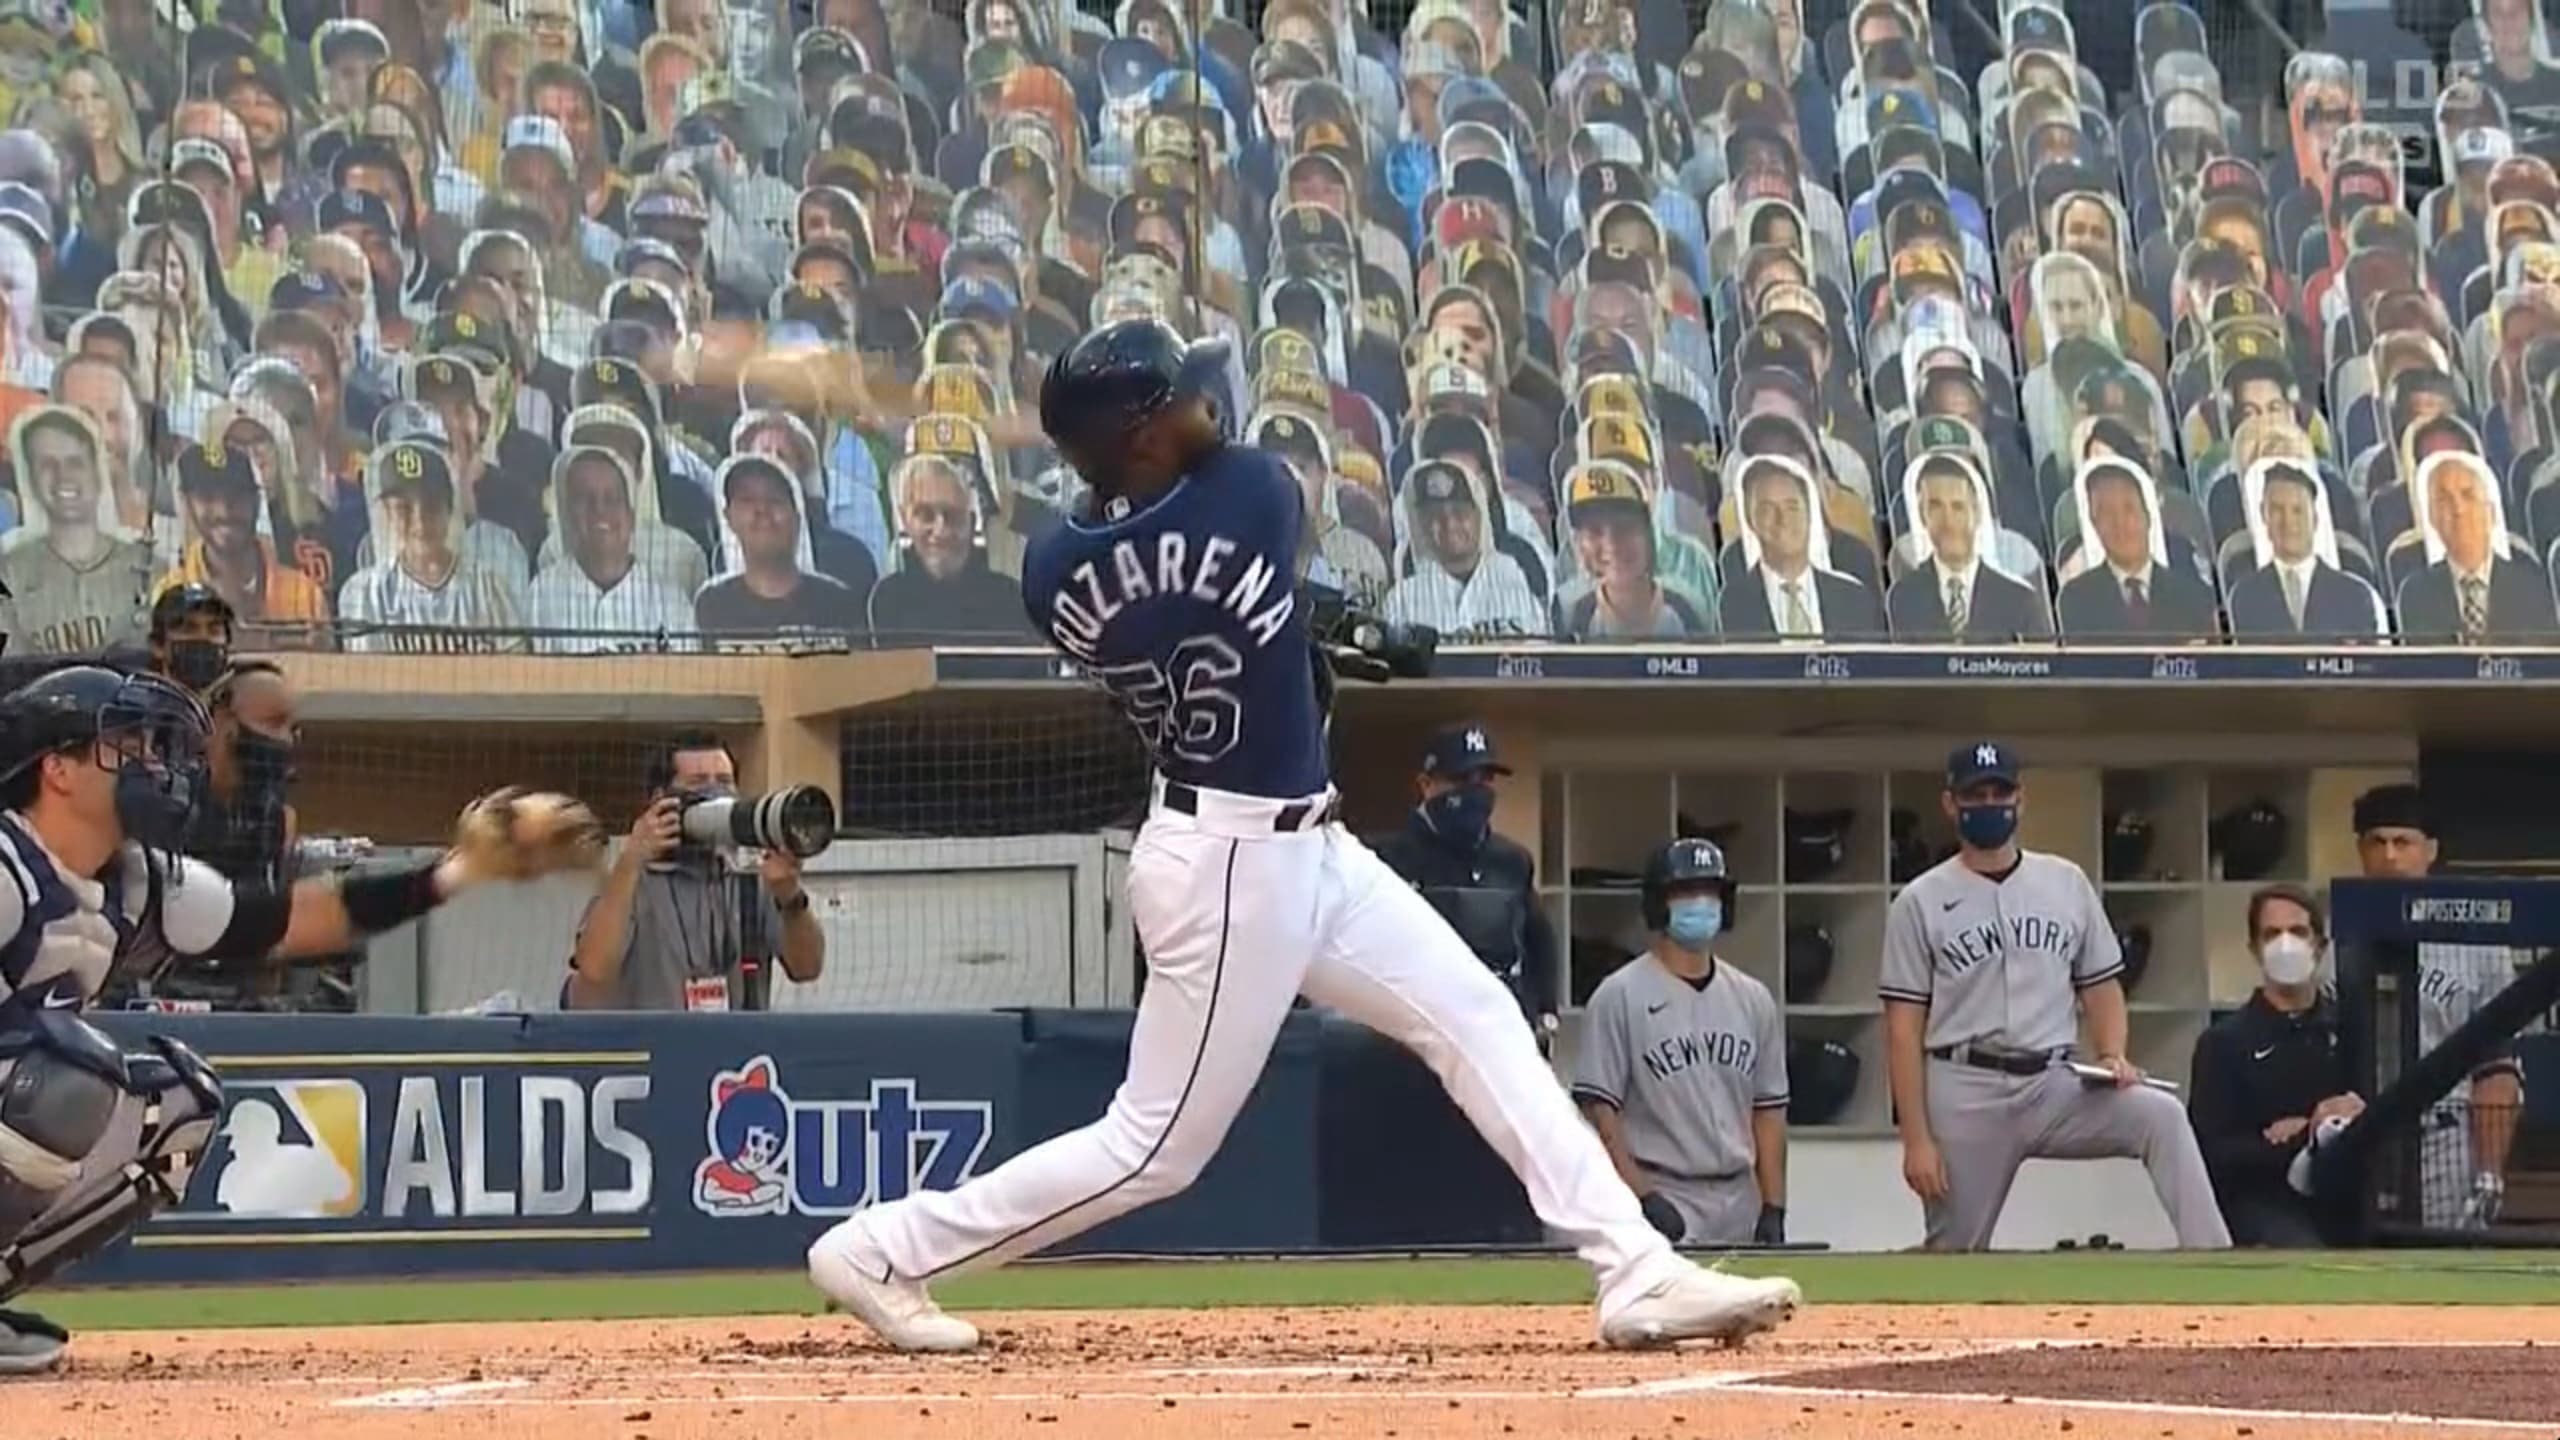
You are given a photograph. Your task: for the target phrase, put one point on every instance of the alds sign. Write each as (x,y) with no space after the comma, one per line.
(498,1145)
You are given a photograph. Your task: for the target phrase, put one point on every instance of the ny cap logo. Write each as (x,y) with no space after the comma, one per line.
(1986,754)
(1476,743)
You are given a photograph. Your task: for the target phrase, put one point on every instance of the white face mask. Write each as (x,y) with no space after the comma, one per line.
(2290,960)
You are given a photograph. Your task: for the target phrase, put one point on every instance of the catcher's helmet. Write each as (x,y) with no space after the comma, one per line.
(1116,379)
(1680,863)
(152,729)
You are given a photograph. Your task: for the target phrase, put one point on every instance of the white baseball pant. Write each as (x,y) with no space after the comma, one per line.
(1239,918)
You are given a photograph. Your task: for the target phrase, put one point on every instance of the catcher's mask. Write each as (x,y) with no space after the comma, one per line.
(146,731)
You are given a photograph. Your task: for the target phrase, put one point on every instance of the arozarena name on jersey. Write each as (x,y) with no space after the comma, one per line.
(1092,594)
(1974,944)
(773,1155)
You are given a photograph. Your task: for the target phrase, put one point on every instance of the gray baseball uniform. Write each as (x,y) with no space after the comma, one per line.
(2454,981)
(66,609)
(1685,1066)
(1999,963)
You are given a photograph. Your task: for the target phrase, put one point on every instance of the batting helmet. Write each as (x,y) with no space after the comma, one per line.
(180,601)
(1816,842)
(1684,862)
(1116,379)
(1821,1076)
(1910,852)
(2135,941)
(2128,844)
(1809,954)
(2250,840)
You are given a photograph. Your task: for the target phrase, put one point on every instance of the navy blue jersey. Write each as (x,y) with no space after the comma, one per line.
(1187,611)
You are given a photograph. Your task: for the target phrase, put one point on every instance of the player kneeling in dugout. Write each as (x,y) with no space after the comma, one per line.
(1683,1066)
(1986,957)
(99,771)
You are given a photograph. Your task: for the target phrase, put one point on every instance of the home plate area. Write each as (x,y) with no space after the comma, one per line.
(1974,1372)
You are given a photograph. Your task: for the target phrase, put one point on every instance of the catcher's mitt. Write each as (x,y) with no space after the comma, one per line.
(516,834)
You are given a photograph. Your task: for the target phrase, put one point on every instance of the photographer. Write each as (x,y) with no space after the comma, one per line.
(670,923)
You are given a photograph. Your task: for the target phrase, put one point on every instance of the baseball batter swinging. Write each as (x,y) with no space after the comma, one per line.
(1178,591)
(1984,957)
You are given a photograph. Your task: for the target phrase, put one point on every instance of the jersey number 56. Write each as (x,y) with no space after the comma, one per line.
(1181,708)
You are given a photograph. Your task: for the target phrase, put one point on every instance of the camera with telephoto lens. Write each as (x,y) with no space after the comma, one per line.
(800,819)
(1361,646)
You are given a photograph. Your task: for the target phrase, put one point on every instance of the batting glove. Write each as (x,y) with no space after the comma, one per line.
(1772,1229)
(1664,1216)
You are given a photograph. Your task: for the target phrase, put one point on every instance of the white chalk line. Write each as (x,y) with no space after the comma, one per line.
(1762,1385)
(1764,1382)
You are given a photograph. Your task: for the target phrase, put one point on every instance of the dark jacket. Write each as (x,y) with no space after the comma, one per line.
(1490,897)
(1849,609)
(2254,1067)
(2094,607)
(2520,605)
(2002,609)
(2337,606)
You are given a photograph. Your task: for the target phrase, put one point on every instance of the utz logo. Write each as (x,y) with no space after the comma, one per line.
(773,1155)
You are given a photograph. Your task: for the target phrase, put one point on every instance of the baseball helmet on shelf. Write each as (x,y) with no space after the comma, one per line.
(2128,844)
(1821,1076)
(1683,863)
(2135,941)
(1809,956)
(1910,852)
(1118,378)
(1816,842)
(2250,840)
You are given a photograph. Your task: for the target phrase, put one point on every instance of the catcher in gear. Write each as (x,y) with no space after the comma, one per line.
(99,771)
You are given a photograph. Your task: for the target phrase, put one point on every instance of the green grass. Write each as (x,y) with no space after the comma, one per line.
(2385,1277)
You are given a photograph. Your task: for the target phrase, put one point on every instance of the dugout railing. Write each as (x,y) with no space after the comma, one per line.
(2403,1173)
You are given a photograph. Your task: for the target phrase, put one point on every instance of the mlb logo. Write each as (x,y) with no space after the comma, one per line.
(288,1150)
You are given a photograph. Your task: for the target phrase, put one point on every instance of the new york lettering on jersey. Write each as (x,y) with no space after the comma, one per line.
(1968,947)
(1187,612)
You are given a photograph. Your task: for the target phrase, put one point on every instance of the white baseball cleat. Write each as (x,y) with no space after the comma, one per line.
(899,1311)
(1701,1304)
(30,1344)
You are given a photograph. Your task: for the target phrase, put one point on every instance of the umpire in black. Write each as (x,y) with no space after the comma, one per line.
(1484,885)
(2268,1074)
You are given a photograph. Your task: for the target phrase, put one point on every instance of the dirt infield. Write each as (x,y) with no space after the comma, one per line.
(2116,1373)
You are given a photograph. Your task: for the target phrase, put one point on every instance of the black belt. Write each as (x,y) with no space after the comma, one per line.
(2007,1062)
(1295,816)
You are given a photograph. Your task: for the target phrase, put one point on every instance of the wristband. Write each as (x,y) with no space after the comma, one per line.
(793,906)
(387,899)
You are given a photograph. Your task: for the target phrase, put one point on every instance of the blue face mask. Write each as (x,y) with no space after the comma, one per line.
(1987,825)
(1463,816)
(1695,920)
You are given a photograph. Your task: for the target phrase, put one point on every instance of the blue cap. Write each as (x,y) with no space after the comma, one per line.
(1128,66)
(977,293)
(1984,760)
(1900,105)
(1459,751)
(301,289)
